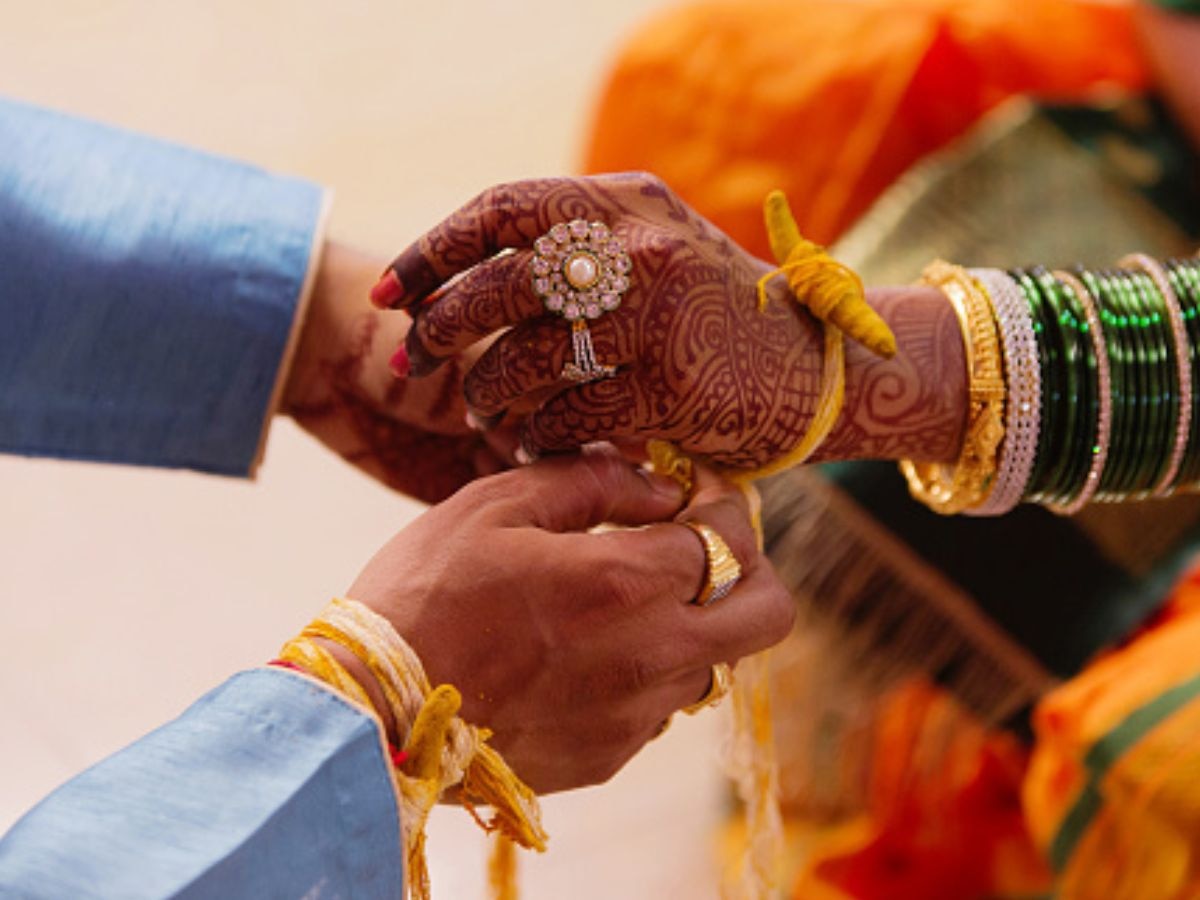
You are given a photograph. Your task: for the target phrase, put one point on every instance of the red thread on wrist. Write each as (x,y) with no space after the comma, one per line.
(288,664)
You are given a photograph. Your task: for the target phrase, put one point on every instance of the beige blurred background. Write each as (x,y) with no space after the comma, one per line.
(126,593)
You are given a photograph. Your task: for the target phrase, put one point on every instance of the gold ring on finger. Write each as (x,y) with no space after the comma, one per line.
(719,685)
(722,571)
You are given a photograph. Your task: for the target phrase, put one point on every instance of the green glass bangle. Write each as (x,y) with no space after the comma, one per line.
(1180,289)
(1124,465)
(1183,278)
(1084,446)
(1140,345)
(1085,438)
(1059,480)
(1139,446)
(1140,449)
(1190,279)
(1191,292)
(1059,372)
(1098,402)
(1166,400)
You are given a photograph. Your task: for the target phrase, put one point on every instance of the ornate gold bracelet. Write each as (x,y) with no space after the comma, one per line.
(951,489)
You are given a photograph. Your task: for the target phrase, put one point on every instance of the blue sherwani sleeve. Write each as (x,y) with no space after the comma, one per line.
(269,786)
(147,294)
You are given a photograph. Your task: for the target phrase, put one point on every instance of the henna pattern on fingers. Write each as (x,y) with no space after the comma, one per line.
(530,358)
(505,216)
(703,367)
(712,373)
(487,298)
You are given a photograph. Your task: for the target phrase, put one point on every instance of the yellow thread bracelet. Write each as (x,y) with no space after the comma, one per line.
(825,416)
(442,749)
(830,290)
(833,294)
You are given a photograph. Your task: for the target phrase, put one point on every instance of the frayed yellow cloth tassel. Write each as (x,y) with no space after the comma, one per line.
(752,766)
(442,750)
(835,295)
(751,762)
(502,870)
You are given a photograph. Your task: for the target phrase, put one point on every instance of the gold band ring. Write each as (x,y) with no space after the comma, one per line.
(718,687)
(722,571)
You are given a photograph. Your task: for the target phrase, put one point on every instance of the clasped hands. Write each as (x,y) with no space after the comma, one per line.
(574,647)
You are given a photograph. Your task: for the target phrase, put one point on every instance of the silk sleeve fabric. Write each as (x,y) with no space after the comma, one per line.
(147,294)
(269,786)
(147,297)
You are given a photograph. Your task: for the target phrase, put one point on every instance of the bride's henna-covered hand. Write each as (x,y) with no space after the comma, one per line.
(410,435)
(697,362)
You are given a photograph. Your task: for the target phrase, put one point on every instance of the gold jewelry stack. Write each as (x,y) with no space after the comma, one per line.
(951,489)
(1082,386)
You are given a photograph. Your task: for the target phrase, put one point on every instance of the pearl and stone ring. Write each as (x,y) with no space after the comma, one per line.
(580,271)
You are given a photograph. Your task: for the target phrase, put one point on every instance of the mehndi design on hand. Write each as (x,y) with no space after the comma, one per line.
(697,362)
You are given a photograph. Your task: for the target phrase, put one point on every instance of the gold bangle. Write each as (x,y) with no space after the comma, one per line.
(951,489)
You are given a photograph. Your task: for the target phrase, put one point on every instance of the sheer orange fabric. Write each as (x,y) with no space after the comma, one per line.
(945,819)
(831,100)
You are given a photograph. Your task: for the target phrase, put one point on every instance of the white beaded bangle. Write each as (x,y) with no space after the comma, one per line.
(1183,367)
(1104,385)
(1023,409)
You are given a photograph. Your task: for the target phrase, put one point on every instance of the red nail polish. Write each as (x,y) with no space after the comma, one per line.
(399,363)
(387,290)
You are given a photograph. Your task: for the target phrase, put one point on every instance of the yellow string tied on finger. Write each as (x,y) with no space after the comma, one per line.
(442,750)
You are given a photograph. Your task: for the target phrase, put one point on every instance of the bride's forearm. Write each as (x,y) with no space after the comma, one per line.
(911,406)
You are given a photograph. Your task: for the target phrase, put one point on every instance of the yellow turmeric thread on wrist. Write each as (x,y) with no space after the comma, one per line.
(835,295)
(442,750)
(830,290)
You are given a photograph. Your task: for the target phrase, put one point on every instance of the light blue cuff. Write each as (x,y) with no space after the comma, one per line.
(147,293)
(269,786)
